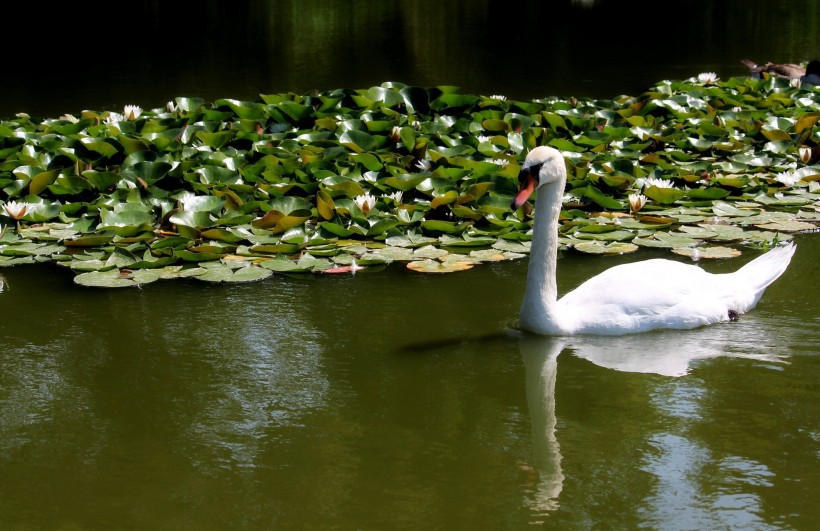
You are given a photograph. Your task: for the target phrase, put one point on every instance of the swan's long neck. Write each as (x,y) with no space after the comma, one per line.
(538,306)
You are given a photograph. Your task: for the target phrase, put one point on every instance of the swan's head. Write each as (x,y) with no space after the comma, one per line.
(543,165)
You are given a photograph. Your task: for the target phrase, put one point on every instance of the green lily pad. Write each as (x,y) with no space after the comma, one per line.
(104,279)
(788,226)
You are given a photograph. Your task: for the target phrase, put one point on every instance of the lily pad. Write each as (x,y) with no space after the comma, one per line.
(597,247)
(698,253)
(434,266)
(105,279)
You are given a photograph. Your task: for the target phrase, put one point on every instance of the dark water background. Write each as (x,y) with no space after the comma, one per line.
(102,55)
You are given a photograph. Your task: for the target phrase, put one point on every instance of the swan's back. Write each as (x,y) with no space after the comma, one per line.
(660,293)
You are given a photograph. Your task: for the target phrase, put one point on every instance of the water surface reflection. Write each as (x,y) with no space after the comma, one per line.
(395,399)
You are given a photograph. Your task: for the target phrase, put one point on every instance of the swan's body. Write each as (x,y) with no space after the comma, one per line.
(627,298)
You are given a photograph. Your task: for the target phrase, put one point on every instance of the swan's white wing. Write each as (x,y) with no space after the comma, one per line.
(645,295)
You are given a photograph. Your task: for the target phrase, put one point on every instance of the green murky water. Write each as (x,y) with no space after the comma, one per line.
(398,400)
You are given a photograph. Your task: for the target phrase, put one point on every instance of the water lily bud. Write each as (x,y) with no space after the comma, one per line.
(636,202)
(365,202)
(805,154)
(132,112)
(15,210)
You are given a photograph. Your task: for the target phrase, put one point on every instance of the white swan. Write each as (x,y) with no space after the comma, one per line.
(627,298)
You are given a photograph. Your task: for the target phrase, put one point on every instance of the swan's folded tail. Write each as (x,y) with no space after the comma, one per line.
(766,268)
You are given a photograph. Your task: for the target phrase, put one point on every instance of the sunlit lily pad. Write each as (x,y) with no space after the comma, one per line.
(724,209)
(391,253)
(434,266)
(522,248)
(598,247)
(494,255)
(787,226)
(429,251)
(608,236)
(105,279)
(11,261)
(699,232)
(697,253)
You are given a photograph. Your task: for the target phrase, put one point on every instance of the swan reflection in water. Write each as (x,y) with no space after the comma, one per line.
(667,353)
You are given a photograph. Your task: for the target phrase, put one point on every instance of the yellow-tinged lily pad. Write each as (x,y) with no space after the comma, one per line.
(434,266)
(616,235)
(494,255)
(697,253)
(598,247)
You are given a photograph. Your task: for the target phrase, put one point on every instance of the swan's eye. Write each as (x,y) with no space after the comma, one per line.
(533,170)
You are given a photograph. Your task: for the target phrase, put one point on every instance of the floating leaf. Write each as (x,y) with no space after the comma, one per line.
(697,253)
(434,266)
(104,279)
(325,205)
(596,247)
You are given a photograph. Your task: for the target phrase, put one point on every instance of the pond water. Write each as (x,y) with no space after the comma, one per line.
(399,400)
(393,399)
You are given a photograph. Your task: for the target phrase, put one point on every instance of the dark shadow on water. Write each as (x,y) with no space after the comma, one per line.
(426,347)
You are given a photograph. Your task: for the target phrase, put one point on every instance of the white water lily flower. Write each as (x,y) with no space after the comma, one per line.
(707,78)
(70,118)
(483,138)
(787,178)
(171,107)
(396,196)
(132,112)
(365,202)
(15,210)
(659,183)
(424,164)
(114,118)
(636,202)
(498,97)
(501,162)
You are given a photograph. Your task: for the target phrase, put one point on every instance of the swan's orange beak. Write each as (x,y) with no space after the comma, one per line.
(526,184)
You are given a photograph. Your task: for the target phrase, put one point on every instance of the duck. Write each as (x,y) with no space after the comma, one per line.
(628,298)
(808,75)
